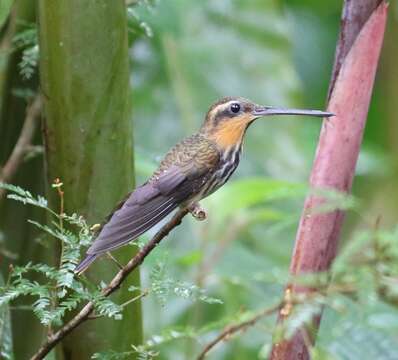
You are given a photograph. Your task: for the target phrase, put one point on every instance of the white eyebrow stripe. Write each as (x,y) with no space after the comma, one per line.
(229,103)
(221,108)
(225,106)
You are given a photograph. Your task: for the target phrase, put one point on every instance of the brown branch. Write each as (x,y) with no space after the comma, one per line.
(233,329)
(357,55)
(23,143)
(137,260)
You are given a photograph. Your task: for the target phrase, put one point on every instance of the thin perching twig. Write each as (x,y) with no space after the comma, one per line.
(128,302)
(137,260)
(233,329)
(23,143)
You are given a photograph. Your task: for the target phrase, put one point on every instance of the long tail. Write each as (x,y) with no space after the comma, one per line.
(85,264)
(145,207)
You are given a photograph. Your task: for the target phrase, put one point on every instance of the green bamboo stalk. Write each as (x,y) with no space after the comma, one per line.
(88,135)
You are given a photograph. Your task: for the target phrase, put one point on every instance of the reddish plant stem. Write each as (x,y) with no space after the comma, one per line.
(354,16)
(357,55)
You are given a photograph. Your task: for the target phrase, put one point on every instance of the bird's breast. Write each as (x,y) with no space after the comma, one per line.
(228,163)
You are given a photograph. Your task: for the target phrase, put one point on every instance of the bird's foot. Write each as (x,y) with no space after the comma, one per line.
(197,211)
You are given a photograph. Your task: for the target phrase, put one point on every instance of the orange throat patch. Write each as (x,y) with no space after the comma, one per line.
(229,134)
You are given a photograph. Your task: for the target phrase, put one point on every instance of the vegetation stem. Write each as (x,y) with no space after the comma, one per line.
(136,261)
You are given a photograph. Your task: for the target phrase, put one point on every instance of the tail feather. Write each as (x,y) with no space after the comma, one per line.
(85,263)
(141,210)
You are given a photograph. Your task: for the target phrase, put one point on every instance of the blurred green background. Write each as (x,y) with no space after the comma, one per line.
(276,53)
(186,54)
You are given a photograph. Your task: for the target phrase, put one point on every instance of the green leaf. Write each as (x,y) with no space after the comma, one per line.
(5,9)
(25,196)
(28,64)
(242,194)
(301,316)
(333,200)
(112,355)
(139,351)
(191,258)
(106,307)
(163,286)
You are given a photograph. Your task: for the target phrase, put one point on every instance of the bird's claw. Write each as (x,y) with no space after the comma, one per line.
(198,212)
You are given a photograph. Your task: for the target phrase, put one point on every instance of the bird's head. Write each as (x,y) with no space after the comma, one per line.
(227,120)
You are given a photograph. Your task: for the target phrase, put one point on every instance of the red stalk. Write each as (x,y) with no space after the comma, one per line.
(357,56)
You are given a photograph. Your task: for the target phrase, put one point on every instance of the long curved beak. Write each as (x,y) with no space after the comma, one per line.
(268,110)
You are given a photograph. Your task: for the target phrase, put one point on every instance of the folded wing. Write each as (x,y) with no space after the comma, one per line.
(150,203)
(144,208)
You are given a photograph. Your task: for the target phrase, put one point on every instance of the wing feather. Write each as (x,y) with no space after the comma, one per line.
(112,236)
(172,185)
(136,216)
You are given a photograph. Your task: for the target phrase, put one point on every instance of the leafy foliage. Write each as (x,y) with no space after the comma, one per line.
(60,291)
(185,54)
(27,41)
(363,275)
(24,196)
(138,27)
(138,352)
(163,285)
(28,64)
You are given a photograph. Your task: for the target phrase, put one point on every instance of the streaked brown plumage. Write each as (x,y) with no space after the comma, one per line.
(190,171)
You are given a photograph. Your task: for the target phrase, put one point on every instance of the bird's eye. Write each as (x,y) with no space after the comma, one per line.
(235,108)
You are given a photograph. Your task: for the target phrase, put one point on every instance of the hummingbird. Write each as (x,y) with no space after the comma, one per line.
(192,170)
